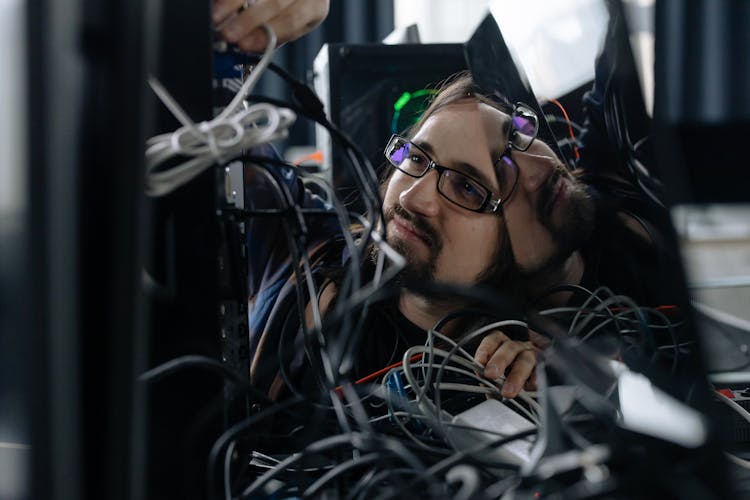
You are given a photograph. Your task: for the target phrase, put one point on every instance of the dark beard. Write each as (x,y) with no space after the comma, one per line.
(504,274)
(574,229)
(570,234)
(415,272)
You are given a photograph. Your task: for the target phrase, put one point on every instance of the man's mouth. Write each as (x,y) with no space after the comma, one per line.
(406,230)
(556,193)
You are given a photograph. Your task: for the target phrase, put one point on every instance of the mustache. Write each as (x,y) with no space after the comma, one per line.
(427,231)
(547,192)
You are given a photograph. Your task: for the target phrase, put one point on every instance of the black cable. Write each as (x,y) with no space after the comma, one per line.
(228,470)
(231,433)
(345,318)
(295,239)
(316,447)
(556,119)
(302,257)
(461,455)
(191,361)
(203,362)
(365,175)
(362,490)
(312,107)
(299,254)
(338,470)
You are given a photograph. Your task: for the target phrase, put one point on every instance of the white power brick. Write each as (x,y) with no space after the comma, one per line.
(492,421)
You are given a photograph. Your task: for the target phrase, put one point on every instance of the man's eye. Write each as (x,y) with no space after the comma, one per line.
(465,190)
(416,158)
(469,189)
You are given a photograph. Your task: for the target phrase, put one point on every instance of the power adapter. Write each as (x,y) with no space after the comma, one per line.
(491,421)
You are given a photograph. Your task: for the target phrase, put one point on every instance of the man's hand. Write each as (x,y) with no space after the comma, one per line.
(497,352)
(289,19)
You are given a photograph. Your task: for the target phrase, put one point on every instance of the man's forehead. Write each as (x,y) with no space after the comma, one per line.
(469,136)
(473,121)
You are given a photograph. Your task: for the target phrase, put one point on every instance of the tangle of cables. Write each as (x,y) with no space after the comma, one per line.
(403,430)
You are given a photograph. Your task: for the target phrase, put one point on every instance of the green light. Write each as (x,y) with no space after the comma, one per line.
(420,93)
(416,102)
(401,101)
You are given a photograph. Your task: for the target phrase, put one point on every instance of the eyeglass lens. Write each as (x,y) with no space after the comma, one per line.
(525,127)
(462,189)
(454,185)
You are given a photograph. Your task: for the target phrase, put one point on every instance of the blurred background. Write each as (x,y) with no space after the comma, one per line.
(76,327)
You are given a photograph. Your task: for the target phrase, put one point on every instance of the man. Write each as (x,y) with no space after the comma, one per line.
(473,198)
(526,241)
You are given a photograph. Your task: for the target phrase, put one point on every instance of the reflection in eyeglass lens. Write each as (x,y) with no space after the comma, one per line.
(399,152)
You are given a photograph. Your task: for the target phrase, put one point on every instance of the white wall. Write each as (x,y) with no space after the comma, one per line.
(441,21)
(556,41)
(12,100)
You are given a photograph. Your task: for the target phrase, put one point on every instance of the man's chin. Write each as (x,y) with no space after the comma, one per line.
(416,271)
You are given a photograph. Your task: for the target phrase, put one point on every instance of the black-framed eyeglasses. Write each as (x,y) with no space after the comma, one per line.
(524,127)
(459,187)
(455,186)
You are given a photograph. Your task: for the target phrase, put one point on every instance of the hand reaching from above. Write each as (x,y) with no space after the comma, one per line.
(289,19)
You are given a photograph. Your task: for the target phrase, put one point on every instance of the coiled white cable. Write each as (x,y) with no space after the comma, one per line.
(237,128)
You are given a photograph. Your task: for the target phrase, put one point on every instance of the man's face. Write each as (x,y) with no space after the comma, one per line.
(444,242)
(550,214)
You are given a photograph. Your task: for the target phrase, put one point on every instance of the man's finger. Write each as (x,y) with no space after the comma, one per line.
(288,25)
(503,357)
(223,9)
(488,346)
(250,19)
(521,370)
(289,19)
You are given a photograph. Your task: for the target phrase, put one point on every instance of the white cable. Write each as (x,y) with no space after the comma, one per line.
(236,129)
(745,464)
(493,387)
(456,352)
(733,405)
(456,346)
(745,415)
(722,316)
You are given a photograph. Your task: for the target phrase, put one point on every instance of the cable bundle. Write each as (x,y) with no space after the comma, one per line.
(393,434)
(236,129)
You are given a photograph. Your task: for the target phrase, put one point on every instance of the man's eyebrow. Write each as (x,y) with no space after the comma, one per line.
(466,168)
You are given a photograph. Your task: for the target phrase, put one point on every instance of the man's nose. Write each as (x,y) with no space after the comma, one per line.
(421,195)
(534,170)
